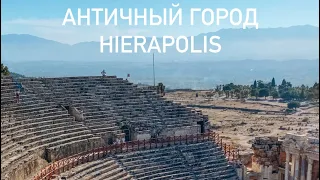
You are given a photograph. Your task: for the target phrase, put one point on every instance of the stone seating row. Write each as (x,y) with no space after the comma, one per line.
(202,160)
(207,160)
(103,101)
(84,101)
(107,168)
(60,91)
(36,128)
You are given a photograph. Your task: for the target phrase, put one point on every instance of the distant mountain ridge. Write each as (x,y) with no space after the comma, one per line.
(282,32)
(296,42)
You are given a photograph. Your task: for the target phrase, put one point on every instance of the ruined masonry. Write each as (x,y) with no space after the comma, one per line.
(294,158)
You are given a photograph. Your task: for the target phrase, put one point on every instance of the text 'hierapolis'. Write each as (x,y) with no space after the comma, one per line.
(166,17)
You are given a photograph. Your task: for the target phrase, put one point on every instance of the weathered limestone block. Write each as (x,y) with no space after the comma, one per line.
(25,170)
(246,158)
(53,154)
(143,136)
(266,151)
(76,113)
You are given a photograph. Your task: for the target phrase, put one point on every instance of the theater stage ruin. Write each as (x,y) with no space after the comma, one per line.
(105,128)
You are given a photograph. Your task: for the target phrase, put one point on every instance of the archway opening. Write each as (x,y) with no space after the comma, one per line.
(127,132)
(201,123)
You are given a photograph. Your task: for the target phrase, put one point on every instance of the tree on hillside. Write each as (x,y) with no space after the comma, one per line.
(302,94)
(313,92)
(285,95)
(284,82)
(261,84)
(315,89)
(220,93)
(255,84)
(287,92)
(264,92)
(227,89)
(218,90)
(4,70)
(237,93)
(254,93)
(209,95)
(273,83)
(293,105)
(274,94)
(284,85)
(245,93)
(232,93)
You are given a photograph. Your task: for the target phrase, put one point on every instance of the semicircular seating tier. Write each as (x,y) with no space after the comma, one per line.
(201,160)
(32,128)
(60,117)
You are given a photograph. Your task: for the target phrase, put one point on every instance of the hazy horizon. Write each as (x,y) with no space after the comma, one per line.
(198,34)
(193,75)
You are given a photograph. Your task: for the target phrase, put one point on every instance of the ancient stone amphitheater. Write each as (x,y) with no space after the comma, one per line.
(104,128)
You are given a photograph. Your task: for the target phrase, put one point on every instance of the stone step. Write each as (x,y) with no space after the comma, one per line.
(104,129)
(159,160)
(110,168)
(26,133)
(167,175)
(108,174)
(83,145)
(36,122)
(102,116)
(160,167)
(19,107)
(34,111)
(62,138)
(116,176)
(26,153)
(53,134)
(127,177)
(39,114)
(88,168)
(31,109)
(100,122)
(42,139)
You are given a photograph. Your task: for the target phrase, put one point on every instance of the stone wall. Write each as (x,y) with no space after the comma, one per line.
(143,136)
(78,115)
(26,170)
(270,155)
(180,131)
(240,169)
(74,148)
(246,158)
(266,151)
(282,158)
(170,132)
(254,165)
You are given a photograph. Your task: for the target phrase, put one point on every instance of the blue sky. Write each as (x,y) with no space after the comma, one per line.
(44,18)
